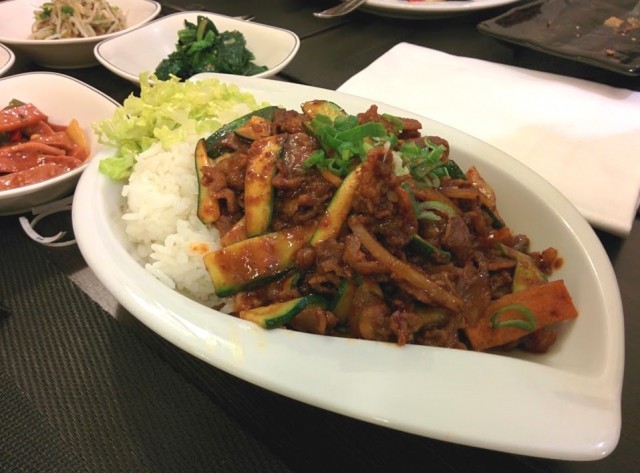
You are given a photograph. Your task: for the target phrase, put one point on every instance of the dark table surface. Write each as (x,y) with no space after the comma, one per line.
(84,387)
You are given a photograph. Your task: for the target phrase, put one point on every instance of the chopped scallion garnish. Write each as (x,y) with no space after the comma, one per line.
(45,13)
(344,140)
(422,161)
(394,121)
(425,210)
(528,323)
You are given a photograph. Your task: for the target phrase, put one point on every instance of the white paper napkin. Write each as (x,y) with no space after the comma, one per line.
(583,137)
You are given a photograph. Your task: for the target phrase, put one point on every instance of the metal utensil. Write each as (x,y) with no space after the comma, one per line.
(339,10)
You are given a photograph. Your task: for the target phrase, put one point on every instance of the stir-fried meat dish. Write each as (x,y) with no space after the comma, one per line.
(360,226)
(32,149)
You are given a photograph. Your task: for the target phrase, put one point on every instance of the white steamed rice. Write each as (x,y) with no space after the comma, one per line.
(161,221)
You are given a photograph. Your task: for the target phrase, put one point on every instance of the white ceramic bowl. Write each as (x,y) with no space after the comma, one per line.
(7,58)
(62,98)
(564,404)
(142,49)
(18,16)
(405,9)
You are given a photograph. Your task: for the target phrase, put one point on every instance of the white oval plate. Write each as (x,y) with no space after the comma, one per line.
(406,9)
(7,58)
(141,50)
(61,98)
(69,53)
(564,404)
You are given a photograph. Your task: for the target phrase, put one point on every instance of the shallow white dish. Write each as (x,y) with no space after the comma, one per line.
(63,53)
(61,98)
(7,58)
(406,9)
(141,50)
(564,404)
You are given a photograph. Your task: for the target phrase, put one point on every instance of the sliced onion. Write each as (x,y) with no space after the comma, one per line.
(401,270)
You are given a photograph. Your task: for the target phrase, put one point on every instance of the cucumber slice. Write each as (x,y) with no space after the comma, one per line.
(208,209)
(431,316)
(250,262)
(338,209)
(526,274)
(281,313)
(454,170)
(258,189)
(236,234)
(341,304)
(496,222)
(214,141)
(425,248)
(255,128)
(313,108)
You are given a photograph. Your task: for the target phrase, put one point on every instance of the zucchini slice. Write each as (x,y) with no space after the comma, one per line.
(496,221)
(258,191)
(324,108)
(313,108)
(343,301)
(235,234)
(214,143)
(208,210)
(526,274)
(338,209)
(292,280)
(425,248)
(280,313)
(431,316)
(255,128)
(250,262)
(453,170)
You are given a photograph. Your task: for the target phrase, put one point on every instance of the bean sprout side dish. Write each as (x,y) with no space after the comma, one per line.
(64,19)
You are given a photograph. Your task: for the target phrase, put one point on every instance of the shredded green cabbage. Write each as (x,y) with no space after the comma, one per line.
(167,112)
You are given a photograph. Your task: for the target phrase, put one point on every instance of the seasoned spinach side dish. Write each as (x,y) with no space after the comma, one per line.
(202,48)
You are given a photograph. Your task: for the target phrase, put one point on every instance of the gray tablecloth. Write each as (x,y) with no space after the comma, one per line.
(79,391)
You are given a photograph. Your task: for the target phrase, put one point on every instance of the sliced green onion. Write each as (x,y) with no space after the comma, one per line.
(395,122)
(343,123)
(439,206)
(422,162)
(528,324)
(412,198)
(344,140)
(434,179)
(46,12)
(424,210)
(316,157)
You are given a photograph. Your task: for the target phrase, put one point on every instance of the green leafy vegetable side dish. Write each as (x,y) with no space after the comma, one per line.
(202,48)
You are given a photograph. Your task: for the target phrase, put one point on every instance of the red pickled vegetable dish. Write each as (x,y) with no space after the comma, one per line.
(32,149)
